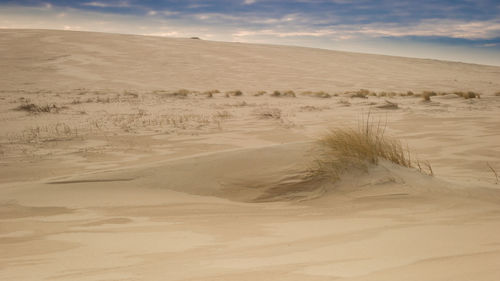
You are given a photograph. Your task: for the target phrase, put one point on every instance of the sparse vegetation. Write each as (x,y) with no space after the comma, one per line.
(362,93)
(210,93)
(35,108)
(357,148)
(312,108)
(235,93)
(426,95)
(260,93)
(468,95)
(276,94)
(43,133)
(268,113)
(320,94)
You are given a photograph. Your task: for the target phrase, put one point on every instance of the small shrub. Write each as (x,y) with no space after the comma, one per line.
(497,94)
(409,93)
(260,93)
(289,93)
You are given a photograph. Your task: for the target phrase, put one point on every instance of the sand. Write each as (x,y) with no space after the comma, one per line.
(123,180)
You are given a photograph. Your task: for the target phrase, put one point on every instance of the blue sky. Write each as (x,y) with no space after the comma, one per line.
(461,30)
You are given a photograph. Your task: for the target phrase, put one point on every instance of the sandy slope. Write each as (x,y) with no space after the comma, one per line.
(123,182)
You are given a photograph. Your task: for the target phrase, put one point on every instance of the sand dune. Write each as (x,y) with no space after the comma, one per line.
(114,174)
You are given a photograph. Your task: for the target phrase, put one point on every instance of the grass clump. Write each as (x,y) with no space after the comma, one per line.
(320,94)
(468,95)
(362,93)
(426,96)
(344,149)
(210,93)
(235,93)
(289,93)
(35,108)
(276,94)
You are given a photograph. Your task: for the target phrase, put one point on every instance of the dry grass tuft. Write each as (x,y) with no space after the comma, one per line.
(468,95)
(362,93)
(426,96)
(311,108)
(320,94)
(276,94)
(35,108)
(497,94)
(210,93)
(357,148)
(260,93)
(289,93)
(235,93)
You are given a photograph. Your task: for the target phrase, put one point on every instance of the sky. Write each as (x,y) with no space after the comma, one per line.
(456,30)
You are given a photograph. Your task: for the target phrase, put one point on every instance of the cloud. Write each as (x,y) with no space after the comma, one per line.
(470,30)
(283,34)
(249,2)
(120,4)
(437,27)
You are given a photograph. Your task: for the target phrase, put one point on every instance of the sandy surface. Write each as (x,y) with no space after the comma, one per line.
(123,180)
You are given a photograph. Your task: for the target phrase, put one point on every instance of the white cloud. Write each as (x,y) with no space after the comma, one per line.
(427,28)
(119,4)
(437,27)
(282,34)
(249,2)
